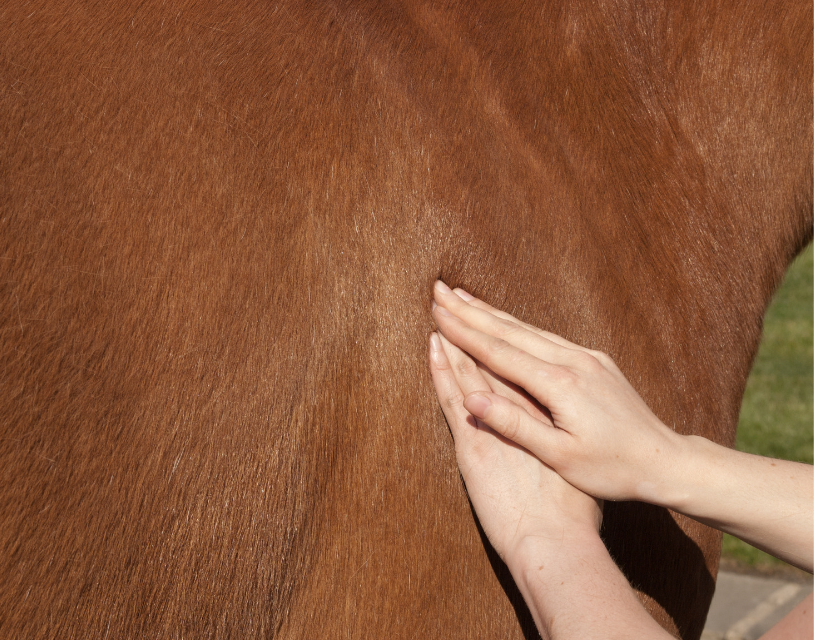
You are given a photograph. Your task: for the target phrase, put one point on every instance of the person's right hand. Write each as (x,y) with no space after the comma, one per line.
(602,437)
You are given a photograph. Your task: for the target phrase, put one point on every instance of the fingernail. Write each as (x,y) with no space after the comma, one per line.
(435,343)
(434,304)
(441,287)
(442,311)
(464,295)
(477,404)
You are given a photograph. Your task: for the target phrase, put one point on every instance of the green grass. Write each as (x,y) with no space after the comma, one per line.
(777,415)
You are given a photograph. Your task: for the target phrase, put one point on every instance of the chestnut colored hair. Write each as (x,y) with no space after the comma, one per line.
(219,229)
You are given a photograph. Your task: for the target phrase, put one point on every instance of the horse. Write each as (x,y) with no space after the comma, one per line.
(219,229)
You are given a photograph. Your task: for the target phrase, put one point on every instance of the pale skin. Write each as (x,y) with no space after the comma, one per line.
(541,424)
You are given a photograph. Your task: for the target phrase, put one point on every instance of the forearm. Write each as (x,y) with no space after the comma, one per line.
(765,502)
(796,625)
(574,590)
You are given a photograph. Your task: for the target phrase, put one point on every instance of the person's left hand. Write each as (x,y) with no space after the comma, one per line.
(516,496)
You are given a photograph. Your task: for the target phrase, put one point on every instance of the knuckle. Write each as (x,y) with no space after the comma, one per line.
(588,362)
(512,429)
(497,347)
(505,329)
(511,425)
(441,364)
(603,358)
(453,400)
(563,375)
(564,381)
(465,367)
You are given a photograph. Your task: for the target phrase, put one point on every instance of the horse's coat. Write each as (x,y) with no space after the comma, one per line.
(219,228)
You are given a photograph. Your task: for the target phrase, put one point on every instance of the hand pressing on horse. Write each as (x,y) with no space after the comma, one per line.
(545,530)
(595,430)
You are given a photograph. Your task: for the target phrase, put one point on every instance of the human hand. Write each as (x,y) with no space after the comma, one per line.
(598,434)
(516,497)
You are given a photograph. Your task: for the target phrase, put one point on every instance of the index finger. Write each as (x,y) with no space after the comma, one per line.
(508,361)
(538,345)
(480,304)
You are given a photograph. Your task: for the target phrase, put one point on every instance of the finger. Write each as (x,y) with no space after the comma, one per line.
(603,358)
(538,377)
(480,304)
(467,374)
(468,431)
(510,331)
(516,394)
(446,388)
(515,424)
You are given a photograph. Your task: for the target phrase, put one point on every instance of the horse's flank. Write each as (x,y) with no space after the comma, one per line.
(219,228)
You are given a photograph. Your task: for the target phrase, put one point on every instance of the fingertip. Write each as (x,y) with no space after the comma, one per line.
(441,287)
(447,347)
(436,350)
(435,343)
(477,404)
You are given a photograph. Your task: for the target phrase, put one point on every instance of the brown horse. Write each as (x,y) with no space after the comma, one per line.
(219,228)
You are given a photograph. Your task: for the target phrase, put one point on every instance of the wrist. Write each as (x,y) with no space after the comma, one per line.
(680,475)
(574,589)
(662,481)
(552,555)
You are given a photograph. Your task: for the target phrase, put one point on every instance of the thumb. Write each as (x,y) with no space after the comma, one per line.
(514,423)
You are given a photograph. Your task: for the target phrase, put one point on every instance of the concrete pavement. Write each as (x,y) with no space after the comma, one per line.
(745,607)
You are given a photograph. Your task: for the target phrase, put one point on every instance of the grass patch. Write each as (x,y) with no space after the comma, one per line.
(743,555)
(777,415)
(777,412)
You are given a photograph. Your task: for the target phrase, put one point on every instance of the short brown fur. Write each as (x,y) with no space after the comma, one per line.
(219,228)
